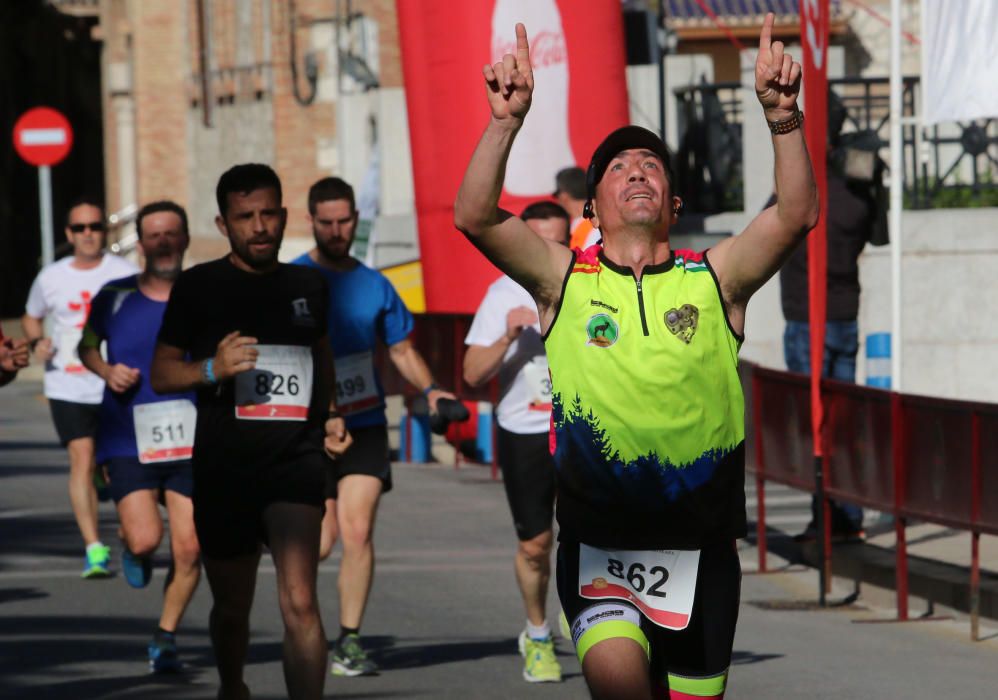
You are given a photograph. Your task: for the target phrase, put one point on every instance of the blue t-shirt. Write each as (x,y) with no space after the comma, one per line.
(363,309)
(129,321)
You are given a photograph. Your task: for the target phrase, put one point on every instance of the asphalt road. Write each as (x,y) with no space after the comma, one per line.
(444,612)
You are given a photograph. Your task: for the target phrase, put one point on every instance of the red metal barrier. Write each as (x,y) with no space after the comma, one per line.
(785,432)
(858,443)
(912,456)
(938,444)
(988,465)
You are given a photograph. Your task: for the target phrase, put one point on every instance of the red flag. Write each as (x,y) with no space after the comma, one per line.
(814,45)
(578,56)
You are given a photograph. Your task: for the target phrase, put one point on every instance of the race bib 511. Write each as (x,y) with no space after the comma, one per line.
(164,431)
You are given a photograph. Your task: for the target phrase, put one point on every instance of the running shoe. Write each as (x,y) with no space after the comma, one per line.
(98,561)
(540,664)
(350,659)
(163,653)
(137,570)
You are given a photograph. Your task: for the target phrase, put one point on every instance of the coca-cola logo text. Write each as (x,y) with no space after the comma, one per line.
(546,49)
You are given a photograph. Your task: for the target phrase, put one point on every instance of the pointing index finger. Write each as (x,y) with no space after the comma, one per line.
(766,35)
(522,49)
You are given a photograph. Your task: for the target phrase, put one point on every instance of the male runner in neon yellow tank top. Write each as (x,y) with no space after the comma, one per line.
(642,343)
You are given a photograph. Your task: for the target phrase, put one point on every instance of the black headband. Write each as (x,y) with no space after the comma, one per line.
(623,139)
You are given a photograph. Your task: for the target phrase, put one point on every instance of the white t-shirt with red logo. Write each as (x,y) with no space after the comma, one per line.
(524,382)
(64,293)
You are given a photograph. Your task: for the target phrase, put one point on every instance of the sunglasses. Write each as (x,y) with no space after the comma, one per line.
(97,226)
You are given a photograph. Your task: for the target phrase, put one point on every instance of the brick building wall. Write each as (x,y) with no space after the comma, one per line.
(153,58)
(160,70)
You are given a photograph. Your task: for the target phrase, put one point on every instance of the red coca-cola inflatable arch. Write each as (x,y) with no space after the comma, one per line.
(580,96)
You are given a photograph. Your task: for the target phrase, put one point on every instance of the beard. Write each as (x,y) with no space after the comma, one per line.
(337,249)
(165,268)
(257,260)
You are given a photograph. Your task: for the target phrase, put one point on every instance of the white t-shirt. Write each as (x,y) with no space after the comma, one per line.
(64,293)
(524,382)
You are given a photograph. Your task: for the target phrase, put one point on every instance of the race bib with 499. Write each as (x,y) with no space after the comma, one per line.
(356,390)
(279,387)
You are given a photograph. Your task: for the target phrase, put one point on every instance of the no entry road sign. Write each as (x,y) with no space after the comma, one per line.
(42,136)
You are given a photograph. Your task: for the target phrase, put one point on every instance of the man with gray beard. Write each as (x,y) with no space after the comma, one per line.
(145,439)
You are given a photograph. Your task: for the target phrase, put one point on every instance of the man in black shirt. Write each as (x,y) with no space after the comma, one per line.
(249,334)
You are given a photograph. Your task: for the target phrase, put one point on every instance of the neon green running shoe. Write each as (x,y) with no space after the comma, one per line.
(97,562)
(350,659)
(540,664)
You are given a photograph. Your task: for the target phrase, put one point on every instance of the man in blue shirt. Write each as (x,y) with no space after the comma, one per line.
(364,310)
(145,439)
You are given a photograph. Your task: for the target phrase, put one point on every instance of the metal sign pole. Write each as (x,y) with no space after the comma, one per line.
(896,199)
(45,207)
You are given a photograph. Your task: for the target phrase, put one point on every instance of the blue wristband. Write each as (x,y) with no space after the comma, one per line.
(432,387)
(208,371)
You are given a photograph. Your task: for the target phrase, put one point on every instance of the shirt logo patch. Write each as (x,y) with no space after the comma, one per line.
(682,322)
(302,316)
(602,330)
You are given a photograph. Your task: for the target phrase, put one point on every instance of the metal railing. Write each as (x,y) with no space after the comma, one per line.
(709,157)
(950,165)
(914,457)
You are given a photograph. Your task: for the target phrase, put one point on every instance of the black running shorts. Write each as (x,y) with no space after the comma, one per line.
(367,455)
(128,474)
(694,660)
(230,499)
(74,420)
(529,478)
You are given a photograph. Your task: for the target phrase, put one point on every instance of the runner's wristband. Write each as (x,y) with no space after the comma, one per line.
(432,387)
(333,415)
(208,371)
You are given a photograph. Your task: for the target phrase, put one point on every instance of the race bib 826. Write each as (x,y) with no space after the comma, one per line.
(279,387)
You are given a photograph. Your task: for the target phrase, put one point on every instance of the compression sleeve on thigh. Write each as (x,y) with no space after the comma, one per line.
(697,688)
(611,629)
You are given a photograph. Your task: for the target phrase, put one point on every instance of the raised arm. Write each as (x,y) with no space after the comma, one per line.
(539,266)
(744,263)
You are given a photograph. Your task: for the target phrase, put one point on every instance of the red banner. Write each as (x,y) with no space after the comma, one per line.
(580,95)
(814,46)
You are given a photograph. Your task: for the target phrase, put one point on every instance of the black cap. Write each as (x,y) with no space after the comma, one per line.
(623,139)
(571,181)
